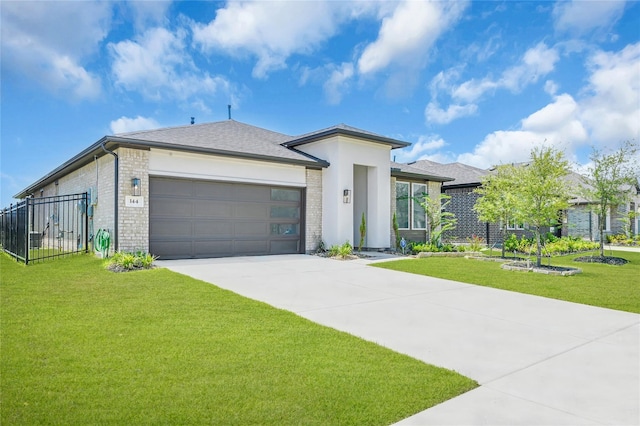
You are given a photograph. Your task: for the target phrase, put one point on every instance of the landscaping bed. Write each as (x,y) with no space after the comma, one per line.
(542,269)
(609,260)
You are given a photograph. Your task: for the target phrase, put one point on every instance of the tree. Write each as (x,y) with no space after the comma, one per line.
(363,231)
(439,220)
(498,195)
(608,182)
(542,192)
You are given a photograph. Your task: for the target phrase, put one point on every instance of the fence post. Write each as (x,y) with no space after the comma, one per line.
(86,222)
(26,231)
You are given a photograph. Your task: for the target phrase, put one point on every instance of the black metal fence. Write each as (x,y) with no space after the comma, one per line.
(42,228)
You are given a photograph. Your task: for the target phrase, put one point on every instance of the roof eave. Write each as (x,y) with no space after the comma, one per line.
(409,175)
(114,142)
(359,135)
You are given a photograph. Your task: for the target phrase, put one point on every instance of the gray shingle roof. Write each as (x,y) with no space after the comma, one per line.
(405,170)
(225,136)
(463,174)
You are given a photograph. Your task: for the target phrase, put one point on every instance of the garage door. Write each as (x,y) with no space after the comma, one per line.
(195,218)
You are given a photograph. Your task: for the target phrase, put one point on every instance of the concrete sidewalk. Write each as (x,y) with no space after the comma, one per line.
(539,361)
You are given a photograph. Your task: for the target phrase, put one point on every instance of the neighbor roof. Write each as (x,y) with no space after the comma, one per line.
(343,129)
(406,171)
(462,174)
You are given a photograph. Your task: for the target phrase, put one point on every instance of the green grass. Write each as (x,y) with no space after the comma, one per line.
(607,286)
(82,345)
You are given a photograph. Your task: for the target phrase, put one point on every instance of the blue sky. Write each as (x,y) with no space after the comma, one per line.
(476,82)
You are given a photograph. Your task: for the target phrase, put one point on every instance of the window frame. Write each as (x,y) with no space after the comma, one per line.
(425,194)
(398,200)
(512,226)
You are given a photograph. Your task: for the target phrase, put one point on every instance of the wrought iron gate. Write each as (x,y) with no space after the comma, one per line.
(42,228)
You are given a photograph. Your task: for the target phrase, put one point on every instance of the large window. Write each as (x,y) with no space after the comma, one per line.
(409,212)
(419,218)
(402,204)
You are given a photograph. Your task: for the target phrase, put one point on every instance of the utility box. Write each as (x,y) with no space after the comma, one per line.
(35,239)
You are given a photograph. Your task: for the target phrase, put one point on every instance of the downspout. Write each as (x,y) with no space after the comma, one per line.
(115,192)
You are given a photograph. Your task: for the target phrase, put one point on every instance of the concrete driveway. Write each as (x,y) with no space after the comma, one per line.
(539,361)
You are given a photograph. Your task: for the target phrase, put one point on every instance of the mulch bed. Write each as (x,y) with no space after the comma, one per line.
(609,260)
(542,269)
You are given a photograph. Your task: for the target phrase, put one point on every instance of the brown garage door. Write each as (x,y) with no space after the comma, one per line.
(195,218)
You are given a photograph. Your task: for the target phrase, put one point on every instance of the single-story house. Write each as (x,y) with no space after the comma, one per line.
(580,220)
(228,188)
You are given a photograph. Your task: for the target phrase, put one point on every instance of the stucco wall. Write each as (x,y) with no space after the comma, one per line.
(199,166)
(343,153)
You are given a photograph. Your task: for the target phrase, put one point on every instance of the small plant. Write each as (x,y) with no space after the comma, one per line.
(124,261)
(343,251)
(475,243)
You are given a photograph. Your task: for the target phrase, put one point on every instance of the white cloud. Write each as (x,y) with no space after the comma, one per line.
(127,124)
(580,17)
(435,114)
(49,42)
(338,82)
(157,65)
(420,150)
(535,63)
(605,114)
(557,124)
(611,109)
(273,31)
(148,13)
(406,36)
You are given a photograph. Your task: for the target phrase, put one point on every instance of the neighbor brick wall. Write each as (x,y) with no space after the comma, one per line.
(313,220)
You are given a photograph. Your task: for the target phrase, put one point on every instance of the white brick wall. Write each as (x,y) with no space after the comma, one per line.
(96,177)
(313,229)
(134,221)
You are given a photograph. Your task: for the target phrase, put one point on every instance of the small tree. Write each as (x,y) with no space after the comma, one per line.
(498,195)
(542,192)
(363,232)
(396,230)
(439,220)
(608,182)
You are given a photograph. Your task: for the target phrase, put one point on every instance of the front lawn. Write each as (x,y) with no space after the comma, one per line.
(614,287)
(82,345)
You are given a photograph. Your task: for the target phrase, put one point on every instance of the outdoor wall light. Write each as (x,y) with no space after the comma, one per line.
(346,196)
(135,187)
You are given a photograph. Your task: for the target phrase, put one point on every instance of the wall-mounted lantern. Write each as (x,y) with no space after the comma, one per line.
(136,190)
(346,196)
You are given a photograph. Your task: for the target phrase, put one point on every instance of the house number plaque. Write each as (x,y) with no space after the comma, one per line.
(134,201)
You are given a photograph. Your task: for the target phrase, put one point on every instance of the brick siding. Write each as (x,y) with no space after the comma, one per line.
(313,222)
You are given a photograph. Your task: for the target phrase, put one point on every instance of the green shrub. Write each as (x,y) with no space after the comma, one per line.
(343,251)
(416,248)
(125,261)
(475,243)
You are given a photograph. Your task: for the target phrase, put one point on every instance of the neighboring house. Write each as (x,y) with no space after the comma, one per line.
(461,190)
(579,220)
(229,188)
